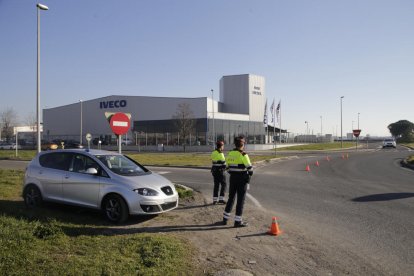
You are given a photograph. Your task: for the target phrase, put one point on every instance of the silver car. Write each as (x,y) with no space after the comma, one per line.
(97,179)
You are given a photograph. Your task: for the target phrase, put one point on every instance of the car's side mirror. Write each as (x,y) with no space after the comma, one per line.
(92,171)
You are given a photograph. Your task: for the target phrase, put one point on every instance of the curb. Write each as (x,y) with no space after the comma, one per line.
(405,164)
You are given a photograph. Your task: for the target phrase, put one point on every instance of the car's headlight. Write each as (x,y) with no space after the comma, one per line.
(146,192)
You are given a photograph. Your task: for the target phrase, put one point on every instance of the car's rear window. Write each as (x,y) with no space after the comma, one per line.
(56,160)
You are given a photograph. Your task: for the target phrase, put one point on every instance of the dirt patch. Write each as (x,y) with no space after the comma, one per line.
(224,250)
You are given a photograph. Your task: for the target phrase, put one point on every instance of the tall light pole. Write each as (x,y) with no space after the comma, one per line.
(212,104)
(44,8)
(358,120)
(341,123)
(307,130)
(81,122)
(321,129)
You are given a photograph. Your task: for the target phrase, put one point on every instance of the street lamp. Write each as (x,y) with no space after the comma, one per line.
(44,8)
(341,122)
(358,120)
(321,129)
(307,131)
(81,122)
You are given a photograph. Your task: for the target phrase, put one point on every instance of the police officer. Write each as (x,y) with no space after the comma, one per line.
(217,169)
(240,169)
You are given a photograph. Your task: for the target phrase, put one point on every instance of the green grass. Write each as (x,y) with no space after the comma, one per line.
(410,159)
(183,192)
(21,154)
(58,240)
(183,159)
(321,146)
(410,145)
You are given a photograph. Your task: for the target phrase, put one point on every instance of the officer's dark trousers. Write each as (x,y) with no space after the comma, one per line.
(219,179)
(238,185)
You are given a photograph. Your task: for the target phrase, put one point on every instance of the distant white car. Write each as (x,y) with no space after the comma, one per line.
(126,142)
(389,143)
(9,146)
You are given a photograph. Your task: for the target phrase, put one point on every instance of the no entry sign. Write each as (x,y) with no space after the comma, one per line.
(120,123)
(356,132)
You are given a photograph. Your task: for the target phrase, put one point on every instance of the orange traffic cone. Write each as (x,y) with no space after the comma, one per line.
(327,158)
(343,156)
(317,163)
(347,156)
(307,168)
(274,228)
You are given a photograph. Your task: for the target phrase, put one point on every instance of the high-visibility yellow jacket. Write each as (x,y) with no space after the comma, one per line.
(217,159)
(239,161)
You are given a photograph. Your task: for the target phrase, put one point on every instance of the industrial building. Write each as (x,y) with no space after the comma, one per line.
(240,110)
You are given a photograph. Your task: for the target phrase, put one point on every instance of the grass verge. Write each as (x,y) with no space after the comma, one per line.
(56,240)
(321,146)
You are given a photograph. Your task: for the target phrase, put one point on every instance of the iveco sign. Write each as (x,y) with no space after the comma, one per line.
(113,104)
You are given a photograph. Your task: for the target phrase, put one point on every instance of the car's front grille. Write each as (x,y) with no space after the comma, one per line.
(167,190)
(168,206)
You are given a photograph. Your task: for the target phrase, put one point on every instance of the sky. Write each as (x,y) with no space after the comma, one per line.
(311,52)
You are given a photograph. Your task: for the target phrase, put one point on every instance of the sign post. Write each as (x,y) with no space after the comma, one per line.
(89,138)
(356,132)
(120,124)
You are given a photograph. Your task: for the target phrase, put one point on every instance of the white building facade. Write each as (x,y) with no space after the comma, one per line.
(239,111)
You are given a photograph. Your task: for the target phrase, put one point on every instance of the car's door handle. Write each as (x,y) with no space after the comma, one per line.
(67,176)
(40,172)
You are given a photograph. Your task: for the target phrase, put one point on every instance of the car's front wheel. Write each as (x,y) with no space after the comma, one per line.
(115,209)
(32,197)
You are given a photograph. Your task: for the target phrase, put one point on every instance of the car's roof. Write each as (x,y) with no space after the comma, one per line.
(87,151)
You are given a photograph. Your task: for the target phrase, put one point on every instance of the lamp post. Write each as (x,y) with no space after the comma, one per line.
(81,122)
(341,123)
(321,129)
(44,8)
(212,105)
(307,131)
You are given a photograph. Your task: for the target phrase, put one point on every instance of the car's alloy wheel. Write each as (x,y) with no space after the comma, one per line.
(32,197)
(115,209)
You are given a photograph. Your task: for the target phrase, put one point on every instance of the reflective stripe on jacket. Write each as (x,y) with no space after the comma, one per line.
(238,161)
(217,159)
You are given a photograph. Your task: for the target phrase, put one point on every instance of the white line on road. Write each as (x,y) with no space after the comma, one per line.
(162,172)
(255,201)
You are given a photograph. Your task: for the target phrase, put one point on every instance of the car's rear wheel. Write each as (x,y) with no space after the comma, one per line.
(115,209)
(32,197)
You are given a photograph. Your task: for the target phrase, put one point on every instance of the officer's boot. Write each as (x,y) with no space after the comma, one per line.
(240,224)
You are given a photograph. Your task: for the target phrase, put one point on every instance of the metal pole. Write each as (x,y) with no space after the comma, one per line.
(38,83)
(38,7)
(17,142)
(321,130)
(341,123)
(81,122)
(280,122)
(119,143)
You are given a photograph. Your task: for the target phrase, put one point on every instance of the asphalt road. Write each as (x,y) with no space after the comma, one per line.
(363,204)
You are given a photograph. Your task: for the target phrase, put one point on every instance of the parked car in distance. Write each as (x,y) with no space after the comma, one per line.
(70,144)
(97,179)
(126,142)
(389,143)
(49,146)
(9,146)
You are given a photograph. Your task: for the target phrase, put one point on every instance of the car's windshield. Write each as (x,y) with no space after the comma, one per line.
(389,140)
(121,165)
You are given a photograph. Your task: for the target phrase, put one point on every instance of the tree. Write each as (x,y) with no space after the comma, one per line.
(184,121)
(403,130)
(8,121)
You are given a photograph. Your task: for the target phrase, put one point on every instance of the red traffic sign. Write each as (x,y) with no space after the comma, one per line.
(356,132)
(120,123)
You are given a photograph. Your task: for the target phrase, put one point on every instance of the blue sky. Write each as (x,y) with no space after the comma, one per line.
(310,52)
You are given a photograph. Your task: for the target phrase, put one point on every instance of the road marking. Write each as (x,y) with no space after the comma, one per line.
(162,172)
(255,201)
